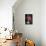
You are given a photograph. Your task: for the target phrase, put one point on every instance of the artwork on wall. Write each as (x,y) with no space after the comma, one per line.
(28,18)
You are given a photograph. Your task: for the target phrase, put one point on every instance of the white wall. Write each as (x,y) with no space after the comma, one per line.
(30,31)
(6,13)
(43,22)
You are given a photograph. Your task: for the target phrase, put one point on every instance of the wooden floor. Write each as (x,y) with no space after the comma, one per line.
(9,43)
(12,42)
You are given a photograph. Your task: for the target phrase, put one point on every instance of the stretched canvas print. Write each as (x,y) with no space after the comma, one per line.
(28,19)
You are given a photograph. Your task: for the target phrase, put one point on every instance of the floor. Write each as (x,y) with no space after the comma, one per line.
(9,43)
(12,42)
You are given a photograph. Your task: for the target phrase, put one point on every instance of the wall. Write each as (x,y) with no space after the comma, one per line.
(6,13)
(29,31)
(43,22)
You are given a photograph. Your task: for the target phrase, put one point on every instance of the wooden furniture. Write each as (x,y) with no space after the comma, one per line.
(9,37)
